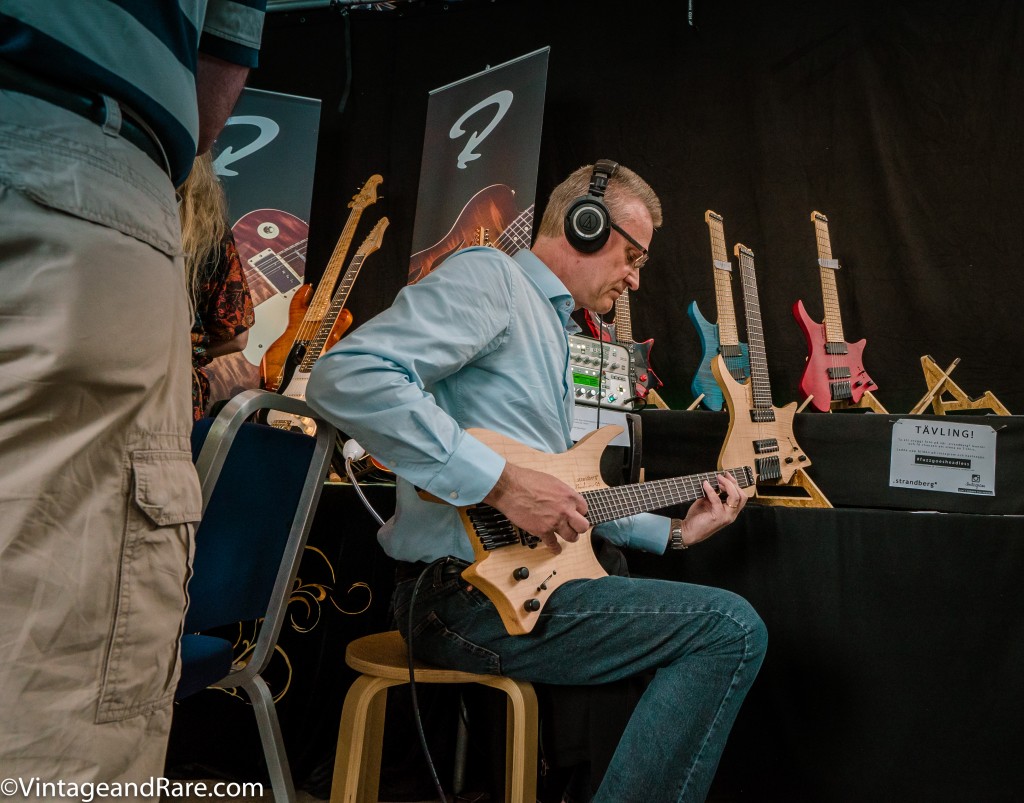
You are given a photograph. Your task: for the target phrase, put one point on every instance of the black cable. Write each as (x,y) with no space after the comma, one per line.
(412,686)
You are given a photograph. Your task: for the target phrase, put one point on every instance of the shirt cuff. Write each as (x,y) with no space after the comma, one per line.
(646,531)
(469,475)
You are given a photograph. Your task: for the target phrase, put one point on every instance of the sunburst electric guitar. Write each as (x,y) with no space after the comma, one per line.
(759,435)
(518,573)
(835,369)
(721,338)
(322,339)
(307,309)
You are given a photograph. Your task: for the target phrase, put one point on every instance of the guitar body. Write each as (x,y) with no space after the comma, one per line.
(741,446)
(274,362)
(492,571)
(272,247)
(296,389)
(848,380)
(704,378)
(490,209)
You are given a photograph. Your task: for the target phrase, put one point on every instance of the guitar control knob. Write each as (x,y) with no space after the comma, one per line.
(642,377)
(802,458)
(789,460)
(521,573)
(532,605)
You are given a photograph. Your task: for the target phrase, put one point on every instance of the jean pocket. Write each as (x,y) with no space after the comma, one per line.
(141,667)
(435,643)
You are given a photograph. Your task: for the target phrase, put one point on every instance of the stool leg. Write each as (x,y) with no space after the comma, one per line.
(520,740)
(360,739)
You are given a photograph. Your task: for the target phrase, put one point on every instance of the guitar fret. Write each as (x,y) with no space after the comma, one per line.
(760,385)
(608,504)
(728,332)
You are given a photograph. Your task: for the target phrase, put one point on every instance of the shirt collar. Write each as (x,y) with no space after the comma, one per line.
(549,284)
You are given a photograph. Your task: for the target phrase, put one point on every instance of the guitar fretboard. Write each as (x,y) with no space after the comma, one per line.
(827,267)
(608,504)
(623,319)
(517,234)
(728,333)
(323,332)
(760,386)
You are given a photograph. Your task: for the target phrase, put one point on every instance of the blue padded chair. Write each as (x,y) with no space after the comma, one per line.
(261,485)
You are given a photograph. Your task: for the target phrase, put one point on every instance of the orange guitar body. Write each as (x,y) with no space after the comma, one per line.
(273,363)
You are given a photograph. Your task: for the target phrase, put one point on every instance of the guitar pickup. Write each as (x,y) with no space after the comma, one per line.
(767,468)
(833,347)
(766,445)
(731,350)
(841,390)
(839,372)
(761,415)
(738,374)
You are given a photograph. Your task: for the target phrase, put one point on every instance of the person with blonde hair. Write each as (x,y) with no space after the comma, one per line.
(216,282)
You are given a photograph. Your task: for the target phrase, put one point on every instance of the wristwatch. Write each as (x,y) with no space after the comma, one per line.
(675,535)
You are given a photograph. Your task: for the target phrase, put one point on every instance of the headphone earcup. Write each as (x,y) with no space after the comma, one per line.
(587,224)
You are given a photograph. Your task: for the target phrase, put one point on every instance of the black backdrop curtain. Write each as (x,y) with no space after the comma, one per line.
(900,121)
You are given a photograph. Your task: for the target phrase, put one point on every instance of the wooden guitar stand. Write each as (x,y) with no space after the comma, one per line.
(807,493)
(939,384)
(655,400)
(867,401)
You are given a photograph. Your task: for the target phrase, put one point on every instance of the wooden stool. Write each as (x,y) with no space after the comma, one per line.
(384,662)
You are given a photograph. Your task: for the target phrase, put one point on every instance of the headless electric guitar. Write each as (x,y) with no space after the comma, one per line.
(514,570)
(621,331)
(759,435)
(721,338)
(322,339)
(307,309)
(835,369)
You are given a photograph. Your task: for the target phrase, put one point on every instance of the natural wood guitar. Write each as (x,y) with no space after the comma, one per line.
(322,339)
(835,369)
(307,309)
(759,435)
(722,338)
(514,570)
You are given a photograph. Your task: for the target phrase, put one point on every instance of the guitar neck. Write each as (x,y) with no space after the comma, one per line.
(827,267)
(517,234)
(321,300)
(608,504)
(323,332)
(623,320)
(728,333)
(761,387)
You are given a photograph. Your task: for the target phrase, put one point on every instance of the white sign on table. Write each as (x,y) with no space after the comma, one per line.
(943,456)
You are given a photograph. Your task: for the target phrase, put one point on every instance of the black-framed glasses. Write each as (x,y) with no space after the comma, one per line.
(641,260)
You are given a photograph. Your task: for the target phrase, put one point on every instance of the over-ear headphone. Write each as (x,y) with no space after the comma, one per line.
(587,222)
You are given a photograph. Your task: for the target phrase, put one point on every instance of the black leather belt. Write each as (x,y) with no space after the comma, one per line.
(88,105)
(450,569)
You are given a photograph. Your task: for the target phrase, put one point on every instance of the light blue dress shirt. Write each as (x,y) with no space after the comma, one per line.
(480,342)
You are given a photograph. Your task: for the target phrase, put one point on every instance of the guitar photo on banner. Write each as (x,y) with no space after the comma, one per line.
(478,171)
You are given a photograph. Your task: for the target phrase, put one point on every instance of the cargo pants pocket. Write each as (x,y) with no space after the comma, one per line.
(141,667)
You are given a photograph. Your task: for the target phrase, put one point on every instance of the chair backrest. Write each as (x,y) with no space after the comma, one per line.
(261,486)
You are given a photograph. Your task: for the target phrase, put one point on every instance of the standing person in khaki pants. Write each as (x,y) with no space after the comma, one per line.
(102,109)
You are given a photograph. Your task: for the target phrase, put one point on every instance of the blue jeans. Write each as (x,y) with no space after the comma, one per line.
(705,643)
